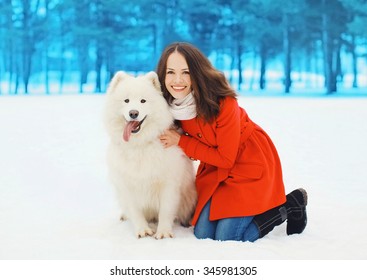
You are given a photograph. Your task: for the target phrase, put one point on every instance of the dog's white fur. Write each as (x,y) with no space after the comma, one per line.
(153,183)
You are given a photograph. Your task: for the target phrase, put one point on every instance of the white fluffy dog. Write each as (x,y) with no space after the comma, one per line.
(153,183)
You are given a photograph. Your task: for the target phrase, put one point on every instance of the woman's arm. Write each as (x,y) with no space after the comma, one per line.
(228,132)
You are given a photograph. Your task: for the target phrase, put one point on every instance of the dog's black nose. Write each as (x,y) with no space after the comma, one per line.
(134,114)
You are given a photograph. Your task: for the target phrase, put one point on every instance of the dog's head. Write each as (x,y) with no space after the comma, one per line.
(136,103)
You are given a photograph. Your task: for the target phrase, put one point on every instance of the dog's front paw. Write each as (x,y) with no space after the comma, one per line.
(144,232)
(164,234)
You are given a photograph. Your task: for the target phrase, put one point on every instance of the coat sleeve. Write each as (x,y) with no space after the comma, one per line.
(228,132)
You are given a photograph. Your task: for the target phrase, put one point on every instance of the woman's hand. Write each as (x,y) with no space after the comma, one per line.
(169,138)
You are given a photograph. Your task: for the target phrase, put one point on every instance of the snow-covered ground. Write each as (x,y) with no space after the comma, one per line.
(56,202)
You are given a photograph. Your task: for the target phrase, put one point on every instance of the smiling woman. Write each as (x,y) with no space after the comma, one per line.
(239,180)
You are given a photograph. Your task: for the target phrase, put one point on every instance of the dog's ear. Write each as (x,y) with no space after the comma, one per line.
(118,77)
(154,79)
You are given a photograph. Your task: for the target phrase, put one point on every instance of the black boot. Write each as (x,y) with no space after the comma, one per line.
(294,209)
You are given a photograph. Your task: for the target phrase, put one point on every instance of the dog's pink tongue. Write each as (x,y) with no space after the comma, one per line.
(130,126)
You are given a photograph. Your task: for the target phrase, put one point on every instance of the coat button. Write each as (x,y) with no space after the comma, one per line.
(186,134)
(199,135)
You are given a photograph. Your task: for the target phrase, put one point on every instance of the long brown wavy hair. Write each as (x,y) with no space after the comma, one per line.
(209,85)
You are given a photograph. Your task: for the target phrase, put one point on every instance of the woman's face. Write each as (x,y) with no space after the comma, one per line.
(177,81)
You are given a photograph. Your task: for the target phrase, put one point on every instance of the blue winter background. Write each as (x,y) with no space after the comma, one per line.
(303,78)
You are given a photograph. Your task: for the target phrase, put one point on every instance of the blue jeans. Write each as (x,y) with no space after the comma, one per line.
(239,228)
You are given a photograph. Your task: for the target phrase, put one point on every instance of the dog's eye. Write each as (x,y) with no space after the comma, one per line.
(126,100)
(143,101)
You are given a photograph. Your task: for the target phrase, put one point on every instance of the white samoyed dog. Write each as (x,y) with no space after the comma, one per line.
(153,183)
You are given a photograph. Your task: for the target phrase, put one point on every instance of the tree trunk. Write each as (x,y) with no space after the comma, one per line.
(10,55)
(99,62)
(330,77)
(17,75)
(83,65)
(287,54)
(337,71)
(110,66)
(263,58)
(354,62)
(47,70)
(239,65)
(232,66)
(26,51)
(62,51)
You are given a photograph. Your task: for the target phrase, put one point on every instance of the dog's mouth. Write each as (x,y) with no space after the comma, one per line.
(132,127)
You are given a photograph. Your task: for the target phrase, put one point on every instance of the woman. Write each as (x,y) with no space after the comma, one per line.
(239,180)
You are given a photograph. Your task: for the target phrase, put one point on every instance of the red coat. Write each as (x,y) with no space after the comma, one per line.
(239,165)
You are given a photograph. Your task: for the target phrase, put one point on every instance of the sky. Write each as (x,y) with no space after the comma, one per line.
(56,202)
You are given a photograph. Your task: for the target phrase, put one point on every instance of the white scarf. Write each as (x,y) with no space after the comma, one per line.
(184,108)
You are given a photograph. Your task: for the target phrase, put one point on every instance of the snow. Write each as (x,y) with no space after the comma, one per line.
(57,203)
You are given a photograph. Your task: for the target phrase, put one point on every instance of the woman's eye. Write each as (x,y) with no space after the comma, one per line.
(169,72)
(186,72)
(143,101)
(126,100)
